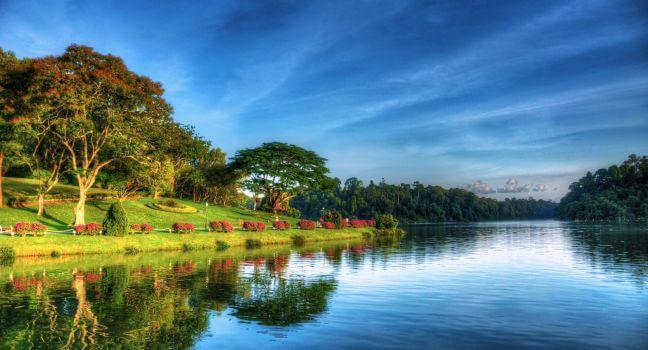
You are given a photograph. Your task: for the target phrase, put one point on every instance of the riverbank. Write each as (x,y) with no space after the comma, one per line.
(66,244)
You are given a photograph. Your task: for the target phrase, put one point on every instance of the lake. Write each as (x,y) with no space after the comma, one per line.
(535,284)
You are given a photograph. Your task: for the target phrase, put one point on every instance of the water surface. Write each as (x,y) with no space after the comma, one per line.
(542,284)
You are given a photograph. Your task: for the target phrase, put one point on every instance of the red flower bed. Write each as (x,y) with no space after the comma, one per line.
(306,224)
(90,229)
(22,228)
(221,226)
(281,225)
(254,226)
(358,223)
(135,228)
(371,222)
(38,229)
(182,227)
(146,228)
(328,225)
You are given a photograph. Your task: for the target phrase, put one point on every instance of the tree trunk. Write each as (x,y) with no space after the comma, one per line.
(2,155)
(156,194)
(41,204)
(79,209)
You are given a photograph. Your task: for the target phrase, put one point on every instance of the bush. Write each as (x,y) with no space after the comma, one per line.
(55,254)
(221,226)
(130,250)
(7,255)
(335,217)
(299,240)
(358,223)
(328,225)
(371,223)
(135,228)
(182,227)
(281,225)
(187,247)
(22,228)
(220,246)
(38,229)
(293,213)
(91,229)
(252,243)
(116,222)
(146,228)
(254,226)
(386,221)
(306,224)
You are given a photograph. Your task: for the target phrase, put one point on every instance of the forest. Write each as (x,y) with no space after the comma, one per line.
(417,203)
(618,193)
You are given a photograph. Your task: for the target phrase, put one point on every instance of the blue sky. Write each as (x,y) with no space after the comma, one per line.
(443,92)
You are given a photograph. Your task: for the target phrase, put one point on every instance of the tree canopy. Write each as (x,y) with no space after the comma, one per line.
(281,171)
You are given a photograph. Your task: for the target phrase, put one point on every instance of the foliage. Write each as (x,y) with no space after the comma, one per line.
(328,225)
(146,228)
(37,228)
(336,218)
(221,226)
(182,227)
(618,193)
(254,226)
(386,221)
(281,225)
(7,255)
(299,240)
(416,203)
(130,250)
(90,229)
(281,171)
(116,222)
(306,224)
(253,243)
(135,228)
(22,228)
(292,212)
(221,246)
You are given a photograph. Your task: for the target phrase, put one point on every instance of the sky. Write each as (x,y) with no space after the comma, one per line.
(504,98)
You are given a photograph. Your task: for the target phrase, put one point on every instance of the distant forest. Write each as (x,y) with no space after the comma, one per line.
(618,193)
(417,203)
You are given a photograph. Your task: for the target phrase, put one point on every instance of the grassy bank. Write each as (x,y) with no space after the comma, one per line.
(66,244)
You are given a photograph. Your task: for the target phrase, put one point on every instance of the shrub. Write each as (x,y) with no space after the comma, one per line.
(7,255)
(130,250)
(306,224)
(22,228)
(221,226)
(55,254)
(37,228)
(281,225)
(90,229)
(254,226)
(252,243)
(116,222)
(182,227)
(299,240)
(358,223)
(220,246)
(146,228)
(135,228)
(386,221)
(293,212)
(371,223)
(336,218)
(328,225)
(187,247)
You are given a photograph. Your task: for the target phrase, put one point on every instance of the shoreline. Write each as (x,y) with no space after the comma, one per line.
(65,244)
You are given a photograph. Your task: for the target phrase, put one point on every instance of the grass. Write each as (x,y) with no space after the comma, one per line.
(60,216)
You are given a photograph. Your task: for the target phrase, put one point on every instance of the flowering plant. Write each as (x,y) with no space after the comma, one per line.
(146,228)
(221,226)
(182,227)
(254,226)
(281,225)
(135,228)
(22,228)
(328,225)
(37,228)
(306,224)
(90,229)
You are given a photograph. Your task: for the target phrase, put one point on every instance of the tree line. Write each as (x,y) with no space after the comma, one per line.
(617,193)
(417,203)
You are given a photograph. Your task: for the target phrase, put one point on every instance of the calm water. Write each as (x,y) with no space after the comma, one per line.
(490,285)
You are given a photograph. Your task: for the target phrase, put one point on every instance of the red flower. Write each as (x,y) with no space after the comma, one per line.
(146,227)
(281,225)
(306,224)
(22,228)
(328,225)
(182,227)
(254,226)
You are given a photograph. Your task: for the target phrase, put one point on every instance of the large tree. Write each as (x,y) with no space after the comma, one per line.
(281,170)
(100,112)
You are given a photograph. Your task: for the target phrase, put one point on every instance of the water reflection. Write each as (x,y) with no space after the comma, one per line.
(443,285)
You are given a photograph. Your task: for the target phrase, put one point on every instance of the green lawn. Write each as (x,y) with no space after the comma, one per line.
(60,216)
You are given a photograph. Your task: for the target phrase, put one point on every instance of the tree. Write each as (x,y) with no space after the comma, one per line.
(281,170)
(115,223)
(100,111)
